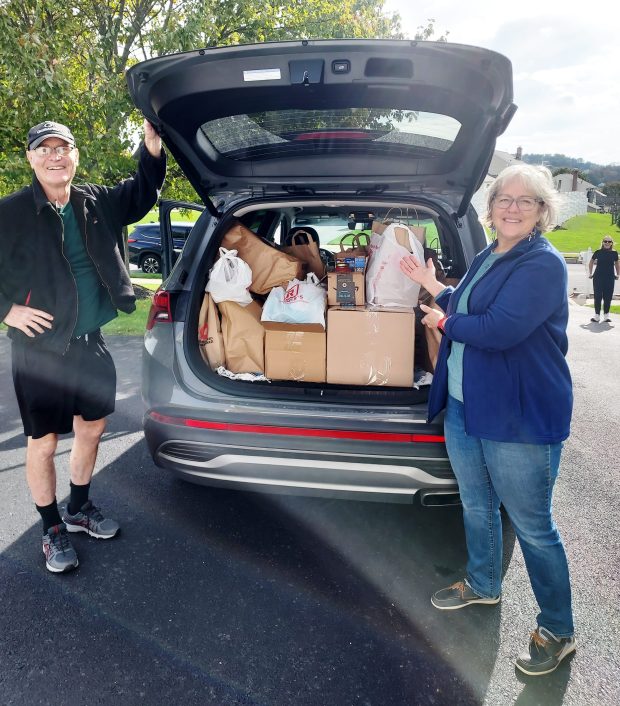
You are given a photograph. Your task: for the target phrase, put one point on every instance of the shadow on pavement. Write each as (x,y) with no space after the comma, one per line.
(545,691)
(216,597)
(219,597)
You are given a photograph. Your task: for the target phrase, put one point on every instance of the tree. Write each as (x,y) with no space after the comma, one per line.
(612,191)
(612,201)
(569,170)
(66,60)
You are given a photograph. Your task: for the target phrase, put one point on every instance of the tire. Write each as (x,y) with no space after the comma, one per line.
(150,264)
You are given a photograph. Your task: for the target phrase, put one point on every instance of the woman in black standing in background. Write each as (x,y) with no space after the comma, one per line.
(606,272)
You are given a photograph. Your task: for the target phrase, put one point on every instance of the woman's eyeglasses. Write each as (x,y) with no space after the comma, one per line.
(608,242)
(524,203)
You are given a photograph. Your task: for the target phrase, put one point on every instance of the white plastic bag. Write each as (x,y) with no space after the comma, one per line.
(229,279)
(301,302)
(386,284)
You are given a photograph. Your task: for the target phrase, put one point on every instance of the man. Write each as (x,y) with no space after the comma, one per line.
(62,277)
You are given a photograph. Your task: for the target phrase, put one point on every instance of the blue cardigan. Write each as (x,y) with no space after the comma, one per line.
(516,382)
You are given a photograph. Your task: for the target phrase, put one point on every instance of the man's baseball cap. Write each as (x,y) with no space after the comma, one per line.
(42,131)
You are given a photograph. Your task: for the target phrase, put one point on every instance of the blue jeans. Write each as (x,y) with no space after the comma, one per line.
(521,477)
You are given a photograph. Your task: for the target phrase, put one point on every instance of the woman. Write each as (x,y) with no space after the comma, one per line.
(607,270)
(502,378)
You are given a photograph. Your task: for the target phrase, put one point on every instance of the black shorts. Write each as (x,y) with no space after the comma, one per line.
(52,388)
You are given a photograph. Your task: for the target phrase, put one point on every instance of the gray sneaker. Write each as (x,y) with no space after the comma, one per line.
(59,554)
(545,652)
(90,520)
(459,595)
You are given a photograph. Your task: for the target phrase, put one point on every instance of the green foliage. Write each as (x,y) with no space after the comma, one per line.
(612,191)
(594,173)
(66,60)
(568,170)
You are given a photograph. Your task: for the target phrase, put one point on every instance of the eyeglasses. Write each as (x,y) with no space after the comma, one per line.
(608,242)
(524,203)
(61,150)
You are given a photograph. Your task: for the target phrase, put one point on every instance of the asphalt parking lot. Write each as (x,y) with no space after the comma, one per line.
(217,597)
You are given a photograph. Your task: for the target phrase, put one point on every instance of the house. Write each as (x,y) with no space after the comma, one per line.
(570,181)
(576,196)
(501,160)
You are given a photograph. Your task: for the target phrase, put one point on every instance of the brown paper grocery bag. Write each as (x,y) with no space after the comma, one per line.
(244,337)
(433,340)
(210,333)
(305,249)
(357,247)
(270,267)
(432,336)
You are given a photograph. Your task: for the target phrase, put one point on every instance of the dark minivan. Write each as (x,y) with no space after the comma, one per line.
(279,135)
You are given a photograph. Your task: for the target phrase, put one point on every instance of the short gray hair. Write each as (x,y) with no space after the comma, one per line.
(536,178)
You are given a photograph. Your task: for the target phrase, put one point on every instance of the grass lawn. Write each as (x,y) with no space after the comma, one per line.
(614,308)
(146,284)
(583,232)
(129,324)
(138,274)
(177,215)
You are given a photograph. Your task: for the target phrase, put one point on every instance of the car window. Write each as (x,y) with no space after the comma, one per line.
(332,229)
(263,135)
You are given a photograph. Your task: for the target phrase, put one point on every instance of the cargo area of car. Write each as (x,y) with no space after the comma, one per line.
(335,224)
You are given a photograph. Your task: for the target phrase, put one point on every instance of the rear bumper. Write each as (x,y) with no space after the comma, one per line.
(335,467)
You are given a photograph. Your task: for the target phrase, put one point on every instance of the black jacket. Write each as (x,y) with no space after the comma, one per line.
(33,268)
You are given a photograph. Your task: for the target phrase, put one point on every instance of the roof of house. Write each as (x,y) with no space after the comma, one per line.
(501,160)
(580,182)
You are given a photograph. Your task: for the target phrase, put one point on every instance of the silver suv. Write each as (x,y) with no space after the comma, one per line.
(326,135)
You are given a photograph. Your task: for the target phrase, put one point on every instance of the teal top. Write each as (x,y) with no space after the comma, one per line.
(455,359)
(95,307)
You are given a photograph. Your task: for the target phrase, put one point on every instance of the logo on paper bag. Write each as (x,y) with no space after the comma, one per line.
(203,333)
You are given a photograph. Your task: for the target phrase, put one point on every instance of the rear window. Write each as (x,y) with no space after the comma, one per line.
(293,132)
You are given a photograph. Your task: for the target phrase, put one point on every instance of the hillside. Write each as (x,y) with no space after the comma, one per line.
(597,173)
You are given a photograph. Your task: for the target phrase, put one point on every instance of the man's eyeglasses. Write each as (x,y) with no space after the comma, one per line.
(524,203)
(608,242)
(61,150)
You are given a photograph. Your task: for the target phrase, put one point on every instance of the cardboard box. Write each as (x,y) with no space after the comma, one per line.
(369,346)
(346,288)
(295,351)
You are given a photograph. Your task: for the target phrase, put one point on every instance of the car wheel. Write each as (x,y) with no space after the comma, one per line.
(151,265)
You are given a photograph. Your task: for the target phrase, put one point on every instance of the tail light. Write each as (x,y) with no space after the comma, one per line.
(161,311)
(132,240)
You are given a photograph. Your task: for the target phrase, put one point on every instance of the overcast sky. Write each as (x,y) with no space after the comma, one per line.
(565,62)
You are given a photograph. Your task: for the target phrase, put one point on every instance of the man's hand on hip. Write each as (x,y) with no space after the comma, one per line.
(30,321)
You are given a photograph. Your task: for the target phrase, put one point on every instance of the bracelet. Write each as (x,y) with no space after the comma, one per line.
(441,323)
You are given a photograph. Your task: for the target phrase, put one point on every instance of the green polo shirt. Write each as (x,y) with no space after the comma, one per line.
(95,307)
